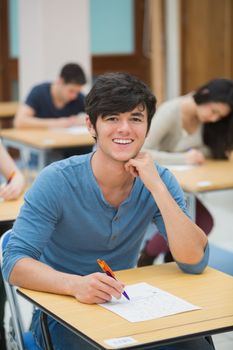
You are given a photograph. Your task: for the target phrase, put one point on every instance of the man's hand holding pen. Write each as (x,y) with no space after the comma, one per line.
(104,266)
(96,288)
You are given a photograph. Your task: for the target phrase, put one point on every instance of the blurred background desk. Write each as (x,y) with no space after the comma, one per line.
(9,210)
(213,175)
(41,141)
(7,111)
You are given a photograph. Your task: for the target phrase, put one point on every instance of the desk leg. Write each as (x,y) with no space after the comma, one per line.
(42,159)
(45,331)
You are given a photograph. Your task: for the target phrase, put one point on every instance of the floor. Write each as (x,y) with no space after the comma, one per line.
(221,206)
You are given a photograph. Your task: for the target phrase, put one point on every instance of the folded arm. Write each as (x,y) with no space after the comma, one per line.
(31,235)
(26,118)
(94,288)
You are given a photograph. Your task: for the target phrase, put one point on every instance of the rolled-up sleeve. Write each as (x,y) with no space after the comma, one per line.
(198,267)
(36,221)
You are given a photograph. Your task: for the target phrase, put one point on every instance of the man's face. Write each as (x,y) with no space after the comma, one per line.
(69,92)
(120,136)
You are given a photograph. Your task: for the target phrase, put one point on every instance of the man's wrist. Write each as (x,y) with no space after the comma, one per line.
(158,187)
(71,282)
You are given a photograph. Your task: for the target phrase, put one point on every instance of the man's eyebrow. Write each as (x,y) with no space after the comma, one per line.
(110,113)
(138,114)
(134,114)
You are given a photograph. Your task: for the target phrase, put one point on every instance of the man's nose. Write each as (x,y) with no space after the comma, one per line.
(124,125)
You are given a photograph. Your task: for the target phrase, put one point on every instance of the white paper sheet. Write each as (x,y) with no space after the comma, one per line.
(73,130)
(180,167)
(147,303)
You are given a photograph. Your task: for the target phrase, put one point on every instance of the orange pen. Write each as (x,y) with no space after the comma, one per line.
(104,266)
(10,177)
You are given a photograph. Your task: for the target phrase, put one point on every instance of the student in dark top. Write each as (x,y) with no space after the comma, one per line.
(55,104)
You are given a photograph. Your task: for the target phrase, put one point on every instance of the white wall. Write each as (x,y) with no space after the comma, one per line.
(172,27)
(51,33)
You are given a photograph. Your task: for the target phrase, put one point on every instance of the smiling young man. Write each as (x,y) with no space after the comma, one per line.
(54,104)
(99,205)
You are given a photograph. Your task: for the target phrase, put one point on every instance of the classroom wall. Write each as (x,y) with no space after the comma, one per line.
(172,42)
(206,41)
(118,39)
(51,33)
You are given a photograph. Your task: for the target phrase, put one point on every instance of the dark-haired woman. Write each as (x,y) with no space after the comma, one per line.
(187,130)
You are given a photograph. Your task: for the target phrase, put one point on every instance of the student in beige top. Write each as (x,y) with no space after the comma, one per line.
(187,130)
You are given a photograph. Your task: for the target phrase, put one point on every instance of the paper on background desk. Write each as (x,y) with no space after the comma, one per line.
(147,303)
(74,130)
(180,167)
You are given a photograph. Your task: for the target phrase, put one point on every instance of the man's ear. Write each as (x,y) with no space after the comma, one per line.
(90,127)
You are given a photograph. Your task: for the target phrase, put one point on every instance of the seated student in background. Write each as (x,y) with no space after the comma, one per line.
(55,104)
(187,130)
(99,205)
(11,189)
(14,180)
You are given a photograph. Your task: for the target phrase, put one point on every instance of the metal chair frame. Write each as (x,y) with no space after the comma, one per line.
(12,298)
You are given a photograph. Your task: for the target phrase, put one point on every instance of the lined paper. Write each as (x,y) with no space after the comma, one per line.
(146,303)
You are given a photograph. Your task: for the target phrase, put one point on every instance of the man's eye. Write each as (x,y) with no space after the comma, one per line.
(111,118)
(136,119)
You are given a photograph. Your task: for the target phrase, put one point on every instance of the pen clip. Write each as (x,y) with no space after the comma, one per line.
(104,266)
(110,274)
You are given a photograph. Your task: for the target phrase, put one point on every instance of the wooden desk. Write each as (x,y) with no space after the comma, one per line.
(7,113)
(9,210)
(211,290)
(213,175)
(8,109)
(40,141)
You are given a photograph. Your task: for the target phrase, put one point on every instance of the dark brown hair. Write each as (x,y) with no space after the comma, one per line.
(118,93)
(218,136)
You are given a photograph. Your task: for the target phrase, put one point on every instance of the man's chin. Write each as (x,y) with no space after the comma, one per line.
(126,158)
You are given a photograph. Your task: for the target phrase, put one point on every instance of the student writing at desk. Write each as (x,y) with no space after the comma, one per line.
(55,104)
(10,189)
(99,205)
(186,130)
(58,104)
(14,180)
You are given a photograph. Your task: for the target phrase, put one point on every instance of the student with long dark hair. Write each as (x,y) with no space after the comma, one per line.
(187,130)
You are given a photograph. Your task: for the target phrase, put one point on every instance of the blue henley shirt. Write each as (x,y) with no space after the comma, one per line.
(67,223)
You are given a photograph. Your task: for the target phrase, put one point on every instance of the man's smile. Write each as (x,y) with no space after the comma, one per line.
(123,141)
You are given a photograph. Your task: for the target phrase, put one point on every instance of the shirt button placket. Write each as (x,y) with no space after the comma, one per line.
(115,229)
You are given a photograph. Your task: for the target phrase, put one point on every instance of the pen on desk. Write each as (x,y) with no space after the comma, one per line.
(10,177)
(104,266)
